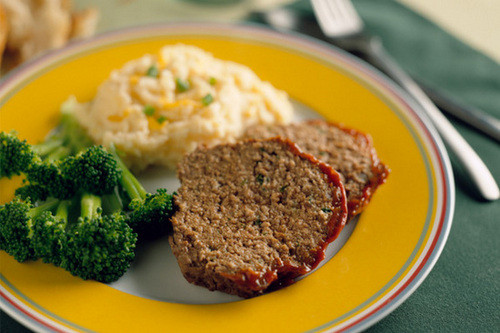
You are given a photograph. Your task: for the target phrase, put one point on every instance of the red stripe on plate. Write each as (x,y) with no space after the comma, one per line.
(438,232)
(19,308)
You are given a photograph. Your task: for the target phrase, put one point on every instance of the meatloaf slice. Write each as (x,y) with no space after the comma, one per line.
(348,151)
(254,213)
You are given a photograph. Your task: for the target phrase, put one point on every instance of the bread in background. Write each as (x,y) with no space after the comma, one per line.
(36,26)
(3,31)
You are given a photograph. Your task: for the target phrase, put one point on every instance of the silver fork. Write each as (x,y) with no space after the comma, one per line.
(339,20)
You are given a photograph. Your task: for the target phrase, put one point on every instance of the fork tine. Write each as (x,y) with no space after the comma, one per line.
(324,16)
(337,17)
(347,9)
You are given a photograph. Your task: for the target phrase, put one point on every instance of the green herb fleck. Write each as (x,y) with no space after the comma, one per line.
(322,153)
(161,119)
(283,188)
(212,81)
(207,100)
(181,85)
(257,222)
(149,110)
(153,71)
(244,182)
(326,210)
(260,178)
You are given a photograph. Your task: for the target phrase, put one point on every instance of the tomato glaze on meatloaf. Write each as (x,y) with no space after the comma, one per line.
(254,214)
(348,151)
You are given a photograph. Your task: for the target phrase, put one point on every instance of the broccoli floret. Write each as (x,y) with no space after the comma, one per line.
(150,216)
(99,244)
(49,234)
(96,247)
(18,157)
(90,167)
(93,170)
(17,219)
(61,176)
(49,164)
(99,247)
(15,155)
(48,175)
(150,212)
(32,192)
(71,162)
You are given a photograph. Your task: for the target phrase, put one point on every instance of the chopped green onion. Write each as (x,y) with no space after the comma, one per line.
(181,85)
(326,210)
(149,110)
(212,81)
(260,178)
(207,100)
(257,222)
(161,119)
(153,71)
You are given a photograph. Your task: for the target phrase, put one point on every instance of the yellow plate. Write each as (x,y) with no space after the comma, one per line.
(391,250)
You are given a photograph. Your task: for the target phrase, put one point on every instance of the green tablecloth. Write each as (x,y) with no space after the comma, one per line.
(462,292)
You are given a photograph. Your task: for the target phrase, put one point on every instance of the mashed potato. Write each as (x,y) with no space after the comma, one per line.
(159,107)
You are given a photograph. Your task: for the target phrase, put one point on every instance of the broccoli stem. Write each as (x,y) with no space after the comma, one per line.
(38,210)
(90,206)
(112,202)
(46,147)
(129,182)
(57,154)
(68,136)
(62,211)
(72,132)
(68,139)
(49,234)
